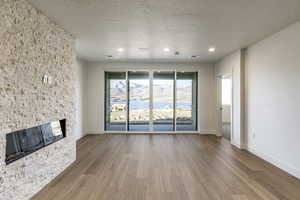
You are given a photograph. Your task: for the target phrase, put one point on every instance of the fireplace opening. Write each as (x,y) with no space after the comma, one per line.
(21,143)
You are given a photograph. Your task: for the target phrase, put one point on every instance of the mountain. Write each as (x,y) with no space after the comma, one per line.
(162,92)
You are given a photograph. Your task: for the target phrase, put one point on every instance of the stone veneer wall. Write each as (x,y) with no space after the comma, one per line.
(32,46)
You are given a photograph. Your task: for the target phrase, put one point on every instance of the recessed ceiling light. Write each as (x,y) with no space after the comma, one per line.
(143,49)
(212,49)
(120,49)
(166,49)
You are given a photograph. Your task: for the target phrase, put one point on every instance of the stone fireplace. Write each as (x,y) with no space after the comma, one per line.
(33,47)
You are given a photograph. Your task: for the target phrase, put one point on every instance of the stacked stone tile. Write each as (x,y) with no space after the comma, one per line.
(32,46)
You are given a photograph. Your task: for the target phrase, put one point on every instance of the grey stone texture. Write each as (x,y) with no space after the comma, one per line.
(32,46)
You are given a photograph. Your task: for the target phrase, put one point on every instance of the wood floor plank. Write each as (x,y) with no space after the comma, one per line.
(168,167)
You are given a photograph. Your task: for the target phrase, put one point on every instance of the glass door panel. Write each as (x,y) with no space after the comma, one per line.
(115,101)
(139,101)
(163,101)
(186,101)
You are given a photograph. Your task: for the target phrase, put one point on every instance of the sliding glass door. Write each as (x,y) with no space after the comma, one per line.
(186,101)
(158,101)
(139,101)
(163,101)
(115,101)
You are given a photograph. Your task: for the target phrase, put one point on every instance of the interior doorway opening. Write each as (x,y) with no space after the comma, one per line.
(226,107)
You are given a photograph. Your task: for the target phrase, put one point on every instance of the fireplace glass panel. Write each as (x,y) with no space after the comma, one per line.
(33,139)
(24,142)
(13,148)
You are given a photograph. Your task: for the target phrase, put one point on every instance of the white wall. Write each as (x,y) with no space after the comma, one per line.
(81,97)
(232,64)
(273,99)
(207,120)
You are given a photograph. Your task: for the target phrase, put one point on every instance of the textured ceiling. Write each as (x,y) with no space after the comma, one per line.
(187,26)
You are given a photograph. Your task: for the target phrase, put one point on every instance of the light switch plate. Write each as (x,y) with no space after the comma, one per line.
(45,79)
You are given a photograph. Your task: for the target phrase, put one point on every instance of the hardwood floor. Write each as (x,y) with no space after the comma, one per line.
(167,167)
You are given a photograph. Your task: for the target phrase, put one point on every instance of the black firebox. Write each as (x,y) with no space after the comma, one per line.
(23,142)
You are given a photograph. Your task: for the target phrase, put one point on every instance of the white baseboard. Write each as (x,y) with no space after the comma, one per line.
(236,144)
(243,146)
(208,132)
(226,122)
(94,132)
(284,166)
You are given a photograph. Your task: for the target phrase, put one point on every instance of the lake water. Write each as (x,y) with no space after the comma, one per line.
(135,105)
